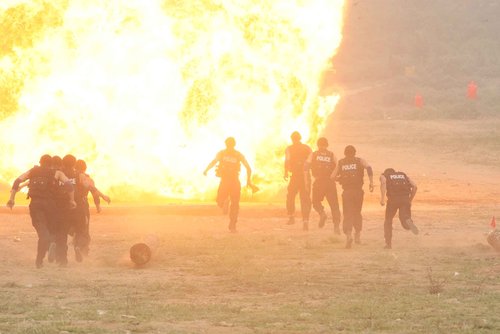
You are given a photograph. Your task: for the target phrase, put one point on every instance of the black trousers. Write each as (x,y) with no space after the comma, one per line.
(298,185)
(401,204)
(230,188)
(42,219)
(81,225)
(326,188)
(352,203)
(64,218)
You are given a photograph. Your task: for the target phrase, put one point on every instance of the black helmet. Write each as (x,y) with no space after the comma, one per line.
(295,136)
(56,162)
(230,142)
(69,161)
(389,171)
(45,160)
(350,151)
(80,166)
(322,142)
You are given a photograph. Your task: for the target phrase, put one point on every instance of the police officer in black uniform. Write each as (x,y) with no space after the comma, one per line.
(42,201)
(322,163)
(228,169)
(350,173)
(59,247)
(400,190)
(73,219)
(300,182)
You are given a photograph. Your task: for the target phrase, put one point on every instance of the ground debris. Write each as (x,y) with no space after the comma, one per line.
(127,316)
(225,324)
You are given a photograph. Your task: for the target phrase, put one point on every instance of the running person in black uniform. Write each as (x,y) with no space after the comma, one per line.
(83,186)
(59,248)
(42,206)
(400,190)
(228,169)
(350,173)
(73,218)
(300,182)
(322,163)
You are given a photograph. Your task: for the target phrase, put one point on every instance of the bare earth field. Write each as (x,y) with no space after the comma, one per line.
(273,278)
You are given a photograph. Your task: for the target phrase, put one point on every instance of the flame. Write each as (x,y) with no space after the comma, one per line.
(147,91)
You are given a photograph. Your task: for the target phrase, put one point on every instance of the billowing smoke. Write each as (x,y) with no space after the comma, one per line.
(146,91)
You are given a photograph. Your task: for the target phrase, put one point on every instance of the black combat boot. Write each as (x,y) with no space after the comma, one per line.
(322,220)
(305,225)
(357,238)
(348,243)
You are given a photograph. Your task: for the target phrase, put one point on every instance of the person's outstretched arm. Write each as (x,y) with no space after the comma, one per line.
(369,171)
(413,189)
(335,173)
(60,176)
(249,170)
(211,164)
(15,188)
(287,164)
(383,189)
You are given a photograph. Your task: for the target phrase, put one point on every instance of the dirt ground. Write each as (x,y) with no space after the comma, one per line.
(274,278)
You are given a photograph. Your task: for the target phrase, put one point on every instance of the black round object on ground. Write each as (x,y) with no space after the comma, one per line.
(140,254)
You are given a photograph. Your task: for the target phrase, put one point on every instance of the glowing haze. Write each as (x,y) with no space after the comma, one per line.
(147,91)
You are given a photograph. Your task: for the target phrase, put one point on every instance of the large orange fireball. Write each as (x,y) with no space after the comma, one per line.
(146,91)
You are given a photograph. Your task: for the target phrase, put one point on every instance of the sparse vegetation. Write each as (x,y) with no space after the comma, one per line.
(436,285)
(267,281)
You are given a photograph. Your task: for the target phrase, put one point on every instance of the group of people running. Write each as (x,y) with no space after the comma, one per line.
(300,163)
(58,189)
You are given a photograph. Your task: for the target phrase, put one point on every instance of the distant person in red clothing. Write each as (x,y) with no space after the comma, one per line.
(472,90)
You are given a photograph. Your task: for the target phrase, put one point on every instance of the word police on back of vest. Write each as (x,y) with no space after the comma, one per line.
(323,158)
(230,159)
(398,185)
(350,167)
(229,164)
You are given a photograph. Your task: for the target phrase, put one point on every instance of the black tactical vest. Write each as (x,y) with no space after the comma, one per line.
(351,172)
(81,192)
(73,179)
(298,156)
(229,164)
(58,191)
(397,184)
(322,164)
(40,184)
